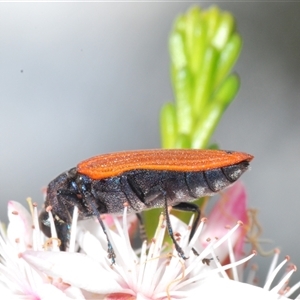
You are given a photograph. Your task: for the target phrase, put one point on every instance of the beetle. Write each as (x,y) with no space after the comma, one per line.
(141,180)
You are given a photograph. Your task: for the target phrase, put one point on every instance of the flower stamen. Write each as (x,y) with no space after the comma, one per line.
(228,234)
(293,289)
(274,272)
(73,230)
(197,233)
(176,279)
(252,273)
(284,280)
(232,259)
(30,204)
(273,263)
(55,245)
(36,234)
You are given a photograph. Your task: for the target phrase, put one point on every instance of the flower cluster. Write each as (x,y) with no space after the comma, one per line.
(32,267)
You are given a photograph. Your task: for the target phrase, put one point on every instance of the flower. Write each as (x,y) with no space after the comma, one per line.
(231,207)
(155,275)
(18,280)
(31,271)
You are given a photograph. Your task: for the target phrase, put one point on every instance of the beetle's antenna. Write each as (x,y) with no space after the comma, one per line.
(170,230)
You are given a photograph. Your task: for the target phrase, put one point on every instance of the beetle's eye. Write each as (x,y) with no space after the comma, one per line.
(74,186)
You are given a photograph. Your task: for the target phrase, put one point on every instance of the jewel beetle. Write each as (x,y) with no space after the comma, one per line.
(141,180)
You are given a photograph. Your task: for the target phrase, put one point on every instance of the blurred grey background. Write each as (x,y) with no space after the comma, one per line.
(80,79)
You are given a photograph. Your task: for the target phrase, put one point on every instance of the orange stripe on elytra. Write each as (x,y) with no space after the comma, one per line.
(189,160)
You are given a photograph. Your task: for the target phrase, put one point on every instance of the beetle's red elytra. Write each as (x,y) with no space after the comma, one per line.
(141,180)
(182,160)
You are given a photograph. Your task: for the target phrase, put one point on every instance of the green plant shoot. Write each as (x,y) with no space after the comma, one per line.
(204,46)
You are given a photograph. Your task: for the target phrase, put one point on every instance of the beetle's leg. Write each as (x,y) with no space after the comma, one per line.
(110,249)
(187,206)
(191,207)
(83,187)
(170,231)
(87,198)
(93,208)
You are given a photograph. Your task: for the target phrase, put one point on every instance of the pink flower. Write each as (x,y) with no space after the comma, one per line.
(232,207)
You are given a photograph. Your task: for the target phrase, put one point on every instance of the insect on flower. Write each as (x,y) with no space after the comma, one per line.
(143,179)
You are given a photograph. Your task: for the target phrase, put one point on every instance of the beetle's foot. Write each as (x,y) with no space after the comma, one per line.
(180,252)
(111,254)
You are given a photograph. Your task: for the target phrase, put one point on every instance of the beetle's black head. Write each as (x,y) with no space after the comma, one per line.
(62,195)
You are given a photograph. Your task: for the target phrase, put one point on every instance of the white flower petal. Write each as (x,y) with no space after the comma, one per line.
(219,288)
(92,226)
(5,292)
(49,292)
(19,229)
(74,293)
(74,268)
(91,245)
